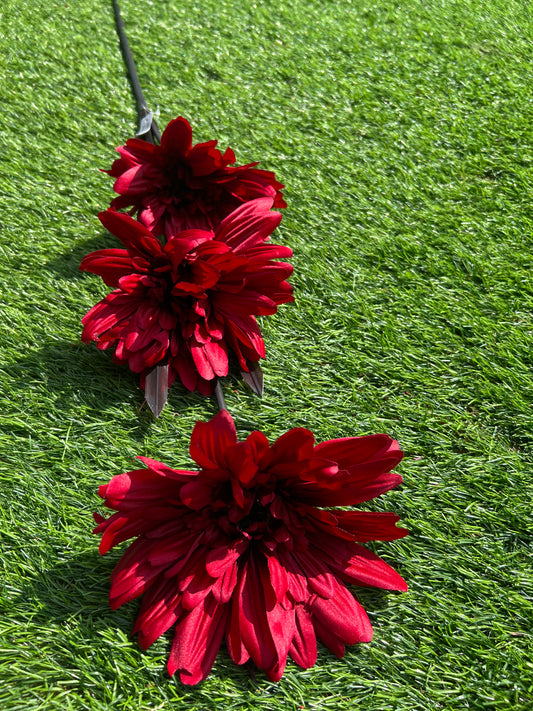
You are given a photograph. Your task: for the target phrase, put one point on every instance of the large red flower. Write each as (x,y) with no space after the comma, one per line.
(177,186)
(242,549)
(187,301)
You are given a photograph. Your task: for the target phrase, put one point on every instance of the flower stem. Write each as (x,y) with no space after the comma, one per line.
(148,128)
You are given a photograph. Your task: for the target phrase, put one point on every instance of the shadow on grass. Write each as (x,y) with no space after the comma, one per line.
(73,374)
(372,599)
(73,589)
(67,264)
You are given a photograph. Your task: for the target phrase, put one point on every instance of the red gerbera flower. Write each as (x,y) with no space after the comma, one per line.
(242,549)
(188,301)
(177,186)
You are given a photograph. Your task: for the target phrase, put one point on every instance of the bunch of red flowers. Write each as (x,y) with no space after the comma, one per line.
(258,545)
(198,267)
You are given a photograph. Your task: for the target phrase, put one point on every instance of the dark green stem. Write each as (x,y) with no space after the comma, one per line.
(148,128)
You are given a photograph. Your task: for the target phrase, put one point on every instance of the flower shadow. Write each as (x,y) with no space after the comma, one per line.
(372,599)
(67,263)
(74,589)
(71,377)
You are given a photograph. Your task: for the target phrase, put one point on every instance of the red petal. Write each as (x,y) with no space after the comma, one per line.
(205,274)
(186,371)
(225,584)
(281,624)
(217,355)
(132,575)
(118,528)
(268,251)
(106,314)
(204,158)
(218,559)
(196,495)
(136,181)
(160,608)
(177,137)
(249,225)
(369,526)
(246,330)
(303,648)
(245,303)
(278,578)
(139,488)
(341,620)
(110,264)
(366,568)
(259,446)
(186,241)
(358,564)
(256,183)
(346,490)
(240,460)
(357,450)
(131,233)
(319,577)
(234,640)
(164,471)
(198,588)
(166,552)
(298,590)
(253,621)
(202,363)
(209,440)
(296,444)
(197,641)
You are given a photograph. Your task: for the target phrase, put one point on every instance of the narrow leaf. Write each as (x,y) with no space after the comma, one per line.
(219,395)
(254,378)
(156,388)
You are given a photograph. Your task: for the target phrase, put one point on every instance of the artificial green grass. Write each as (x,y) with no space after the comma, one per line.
(402,132)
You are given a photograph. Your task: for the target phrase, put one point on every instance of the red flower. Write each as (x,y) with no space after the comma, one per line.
(241,549)
(190,300)
(177,186)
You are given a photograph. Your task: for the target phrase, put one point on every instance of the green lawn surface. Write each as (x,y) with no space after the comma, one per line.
(402,131)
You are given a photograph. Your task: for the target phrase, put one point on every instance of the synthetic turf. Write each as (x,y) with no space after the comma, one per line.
(403,134)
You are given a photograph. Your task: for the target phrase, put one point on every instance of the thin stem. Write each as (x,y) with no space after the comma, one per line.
(148,128)
(220,396)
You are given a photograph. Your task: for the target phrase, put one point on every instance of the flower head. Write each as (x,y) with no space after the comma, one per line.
(190,300)
(242,549)
(177,186)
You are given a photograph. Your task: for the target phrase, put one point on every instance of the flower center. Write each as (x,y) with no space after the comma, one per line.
(176,175)
(185,190)
(258,514)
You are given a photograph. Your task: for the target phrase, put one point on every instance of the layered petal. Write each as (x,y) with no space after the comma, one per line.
(191,301)
(236,550)
(197,640)
(176,186)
